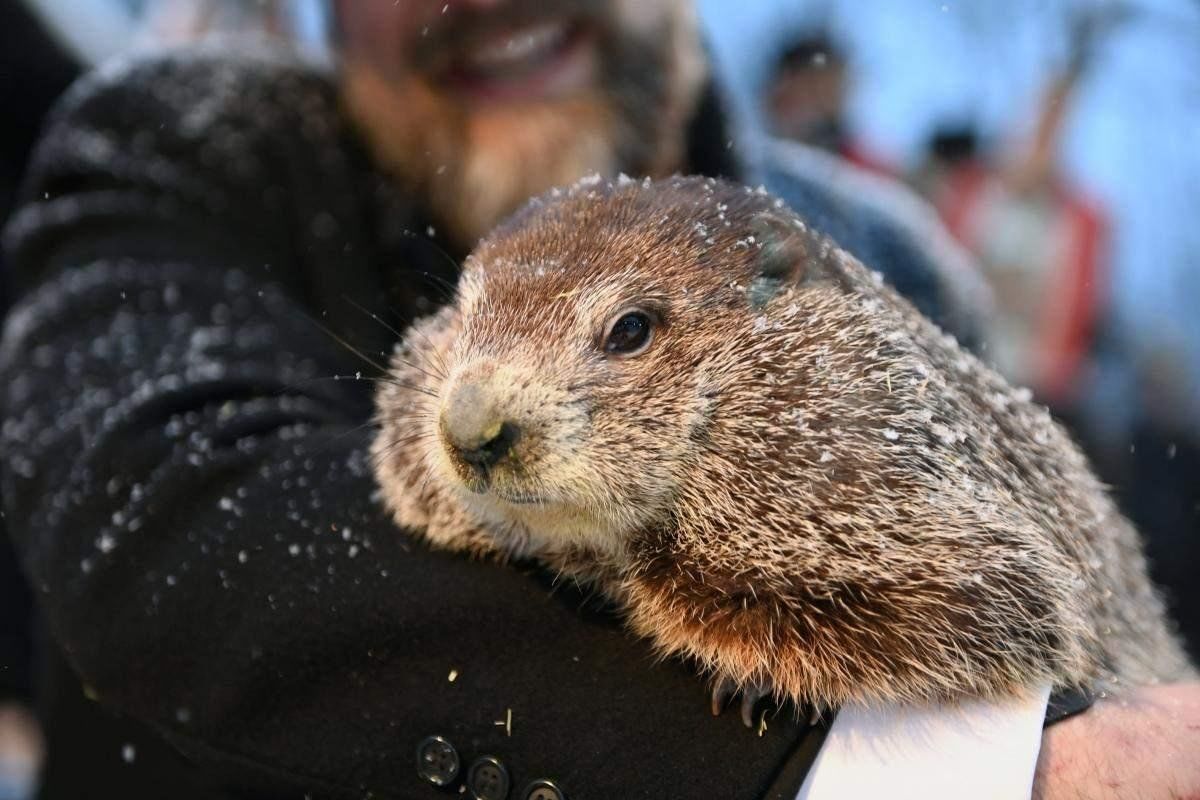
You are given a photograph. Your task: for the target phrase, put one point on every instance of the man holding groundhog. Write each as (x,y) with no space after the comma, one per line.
(186,479)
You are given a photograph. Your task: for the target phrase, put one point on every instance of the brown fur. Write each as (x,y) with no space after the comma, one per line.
(802,482)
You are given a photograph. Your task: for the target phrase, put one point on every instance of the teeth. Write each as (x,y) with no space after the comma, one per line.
(515,48)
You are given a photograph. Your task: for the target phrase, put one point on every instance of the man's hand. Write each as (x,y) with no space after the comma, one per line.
(1144,744)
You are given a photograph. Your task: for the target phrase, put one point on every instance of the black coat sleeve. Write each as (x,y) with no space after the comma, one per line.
(189,491)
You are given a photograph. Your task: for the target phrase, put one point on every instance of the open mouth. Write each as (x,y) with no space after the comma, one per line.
(538,60)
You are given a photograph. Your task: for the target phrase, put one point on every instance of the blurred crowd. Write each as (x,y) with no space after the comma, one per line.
(1055,138)
(1056,142)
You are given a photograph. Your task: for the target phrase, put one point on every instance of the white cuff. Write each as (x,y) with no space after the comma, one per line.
(971,750)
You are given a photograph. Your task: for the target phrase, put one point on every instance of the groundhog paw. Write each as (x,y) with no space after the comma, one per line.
(757,699)
(752,696)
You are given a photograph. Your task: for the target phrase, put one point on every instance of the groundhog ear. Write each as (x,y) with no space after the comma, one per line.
(789,254)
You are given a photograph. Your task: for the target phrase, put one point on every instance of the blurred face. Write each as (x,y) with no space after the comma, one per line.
(806,104)
(479,104)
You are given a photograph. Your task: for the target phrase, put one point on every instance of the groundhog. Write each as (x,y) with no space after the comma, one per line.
(682,395)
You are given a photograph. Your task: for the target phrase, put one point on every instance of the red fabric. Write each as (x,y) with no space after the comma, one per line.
(1070,308)
(1068,271)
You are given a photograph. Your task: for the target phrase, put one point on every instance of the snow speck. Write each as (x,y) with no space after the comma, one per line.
(453,676)
(795,416)
(891,434)
(294,549)
(947,435)
(105,543)
(998,401)
(128,753)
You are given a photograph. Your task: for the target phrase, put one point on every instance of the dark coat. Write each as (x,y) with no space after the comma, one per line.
(187,481)
(33,72)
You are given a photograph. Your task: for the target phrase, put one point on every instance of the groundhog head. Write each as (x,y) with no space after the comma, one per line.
(579,388)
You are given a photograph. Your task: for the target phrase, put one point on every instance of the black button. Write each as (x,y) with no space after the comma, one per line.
(437,761)
(487,779)
(542,789)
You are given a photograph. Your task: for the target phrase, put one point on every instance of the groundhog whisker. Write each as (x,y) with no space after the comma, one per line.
(392,445)
(434,375)
(307,381)
(342,341)
(449,289)
(350,431)
(454,266)
(431,352)
(410,386)
(372,315)
(392,330)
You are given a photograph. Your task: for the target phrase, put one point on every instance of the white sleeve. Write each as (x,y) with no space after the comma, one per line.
(984,751)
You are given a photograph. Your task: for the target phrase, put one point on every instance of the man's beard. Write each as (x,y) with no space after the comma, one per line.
(474,167)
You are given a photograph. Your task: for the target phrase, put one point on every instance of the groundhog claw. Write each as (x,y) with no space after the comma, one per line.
(724,689)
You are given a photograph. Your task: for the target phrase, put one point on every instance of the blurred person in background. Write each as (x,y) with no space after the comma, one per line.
(1037,237)
(805,98)
(187,485)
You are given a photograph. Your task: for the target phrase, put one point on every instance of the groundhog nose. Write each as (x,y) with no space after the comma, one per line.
(491,449)
(477,433)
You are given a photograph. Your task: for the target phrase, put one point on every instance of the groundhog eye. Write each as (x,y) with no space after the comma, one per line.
(630,334)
